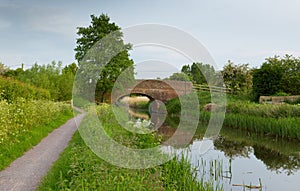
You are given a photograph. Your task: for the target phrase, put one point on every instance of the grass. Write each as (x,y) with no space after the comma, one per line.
(286,128)
(263,110)
(78,168)
(140,102)
(280,121)
(23,125)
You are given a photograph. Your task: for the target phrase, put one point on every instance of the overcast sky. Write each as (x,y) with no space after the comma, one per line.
(242,31)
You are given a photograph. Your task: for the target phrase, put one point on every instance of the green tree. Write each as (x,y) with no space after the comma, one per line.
(180,76)
(97,42)
(14,73)
(3,69)
(186,69)
(58,81)
(237,77)
(99,28)
(72,68)
(44,76)
(66,80)
(277,74)
(199,73)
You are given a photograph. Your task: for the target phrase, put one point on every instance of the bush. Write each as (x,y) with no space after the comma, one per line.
(21,115)
(11,89)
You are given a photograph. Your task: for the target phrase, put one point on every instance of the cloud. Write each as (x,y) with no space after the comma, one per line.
(4,24)
(51,20)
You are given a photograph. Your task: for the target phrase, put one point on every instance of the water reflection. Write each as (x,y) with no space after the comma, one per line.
(236,157)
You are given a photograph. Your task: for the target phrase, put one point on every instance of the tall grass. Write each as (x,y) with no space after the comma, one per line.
(25,122)
(21,115)
(80,169)
(281,128)
(136,101)
(263,110)
(281,121)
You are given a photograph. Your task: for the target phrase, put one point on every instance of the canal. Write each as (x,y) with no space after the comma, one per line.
(236,160)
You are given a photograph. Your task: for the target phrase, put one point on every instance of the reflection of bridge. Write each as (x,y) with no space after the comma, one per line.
(162,90)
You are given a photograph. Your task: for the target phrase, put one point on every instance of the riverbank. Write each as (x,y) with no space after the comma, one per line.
(80,169)
(279,121)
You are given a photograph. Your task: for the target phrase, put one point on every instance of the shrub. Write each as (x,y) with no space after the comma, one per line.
(21,115)
(11,89)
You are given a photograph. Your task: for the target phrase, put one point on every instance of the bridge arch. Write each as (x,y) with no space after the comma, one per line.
(162,90)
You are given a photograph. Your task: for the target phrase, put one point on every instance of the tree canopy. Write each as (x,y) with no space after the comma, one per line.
(277,75)
(52,77)
(98,42)
(237,77)
(180,76)
(199,73)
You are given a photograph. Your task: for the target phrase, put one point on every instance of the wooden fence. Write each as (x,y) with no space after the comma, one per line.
(207,88)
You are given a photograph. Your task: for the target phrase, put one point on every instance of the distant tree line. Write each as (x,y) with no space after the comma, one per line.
(52,77)
(59,80)
(277,76)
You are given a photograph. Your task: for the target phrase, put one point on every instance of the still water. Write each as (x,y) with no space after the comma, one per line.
(236,160)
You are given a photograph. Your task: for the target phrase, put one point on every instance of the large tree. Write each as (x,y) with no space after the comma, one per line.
(237,77)
(199,73)
(88,44)
(277,74)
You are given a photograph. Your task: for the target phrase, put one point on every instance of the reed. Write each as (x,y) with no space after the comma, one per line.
(288,128)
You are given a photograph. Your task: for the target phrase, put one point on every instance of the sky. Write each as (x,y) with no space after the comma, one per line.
(35,31)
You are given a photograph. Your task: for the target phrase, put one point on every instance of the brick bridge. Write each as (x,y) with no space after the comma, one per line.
(162,90)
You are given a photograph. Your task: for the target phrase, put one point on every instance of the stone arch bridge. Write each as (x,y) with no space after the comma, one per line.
(162,90)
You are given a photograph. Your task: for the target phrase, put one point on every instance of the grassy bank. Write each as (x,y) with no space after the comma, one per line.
(25,122)
(80,169)
(280,121)
(138,102)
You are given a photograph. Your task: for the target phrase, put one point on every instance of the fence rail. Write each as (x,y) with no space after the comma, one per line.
(201,87)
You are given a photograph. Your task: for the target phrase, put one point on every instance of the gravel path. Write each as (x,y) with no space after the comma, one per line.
(26,172)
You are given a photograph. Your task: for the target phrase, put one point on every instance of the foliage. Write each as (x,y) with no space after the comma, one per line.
(11,89)
(89,45)
(57,80)
(199,73)
(286,128)
(174,105)
(237,77)
(21,115)
(3,69)
(277,74)
(79,168)
(25,122)
(100,26)
(180,76)
(263,110)
(280,121)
